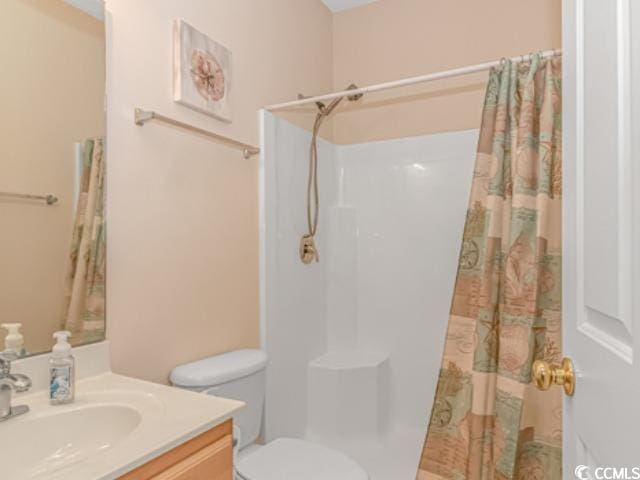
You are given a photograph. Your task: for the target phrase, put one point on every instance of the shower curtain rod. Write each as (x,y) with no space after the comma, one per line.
(407,81)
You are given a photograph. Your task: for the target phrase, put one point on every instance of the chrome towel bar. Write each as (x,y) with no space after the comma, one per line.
(143,116)
(50,199)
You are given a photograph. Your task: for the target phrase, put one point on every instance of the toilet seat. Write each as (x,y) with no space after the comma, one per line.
(291,459)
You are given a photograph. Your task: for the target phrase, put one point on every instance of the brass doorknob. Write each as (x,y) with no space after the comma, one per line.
(545,375)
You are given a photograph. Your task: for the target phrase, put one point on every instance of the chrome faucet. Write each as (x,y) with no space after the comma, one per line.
(8,383)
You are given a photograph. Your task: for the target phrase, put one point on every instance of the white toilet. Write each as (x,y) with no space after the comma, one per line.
(240,375)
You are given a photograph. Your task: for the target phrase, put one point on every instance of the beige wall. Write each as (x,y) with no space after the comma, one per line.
(392,39)
(51,96)
(183,211)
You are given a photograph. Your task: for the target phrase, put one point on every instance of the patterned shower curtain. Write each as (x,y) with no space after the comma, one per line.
(84,313)
(488,421)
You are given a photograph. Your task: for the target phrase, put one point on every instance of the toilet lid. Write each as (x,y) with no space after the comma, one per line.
(290,459)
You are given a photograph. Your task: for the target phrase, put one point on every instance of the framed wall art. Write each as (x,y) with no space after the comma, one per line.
(202,72)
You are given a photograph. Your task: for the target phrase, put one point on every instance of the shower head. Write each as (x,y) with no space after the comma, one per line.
(325,110)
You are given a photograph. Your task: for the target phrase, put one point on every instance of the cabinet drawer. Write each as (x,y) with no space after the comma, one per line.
(208,456)
(213,462)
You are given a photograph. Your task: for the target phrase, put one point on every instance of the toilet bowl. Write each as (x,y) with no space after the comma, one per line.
(240,375)
(293,459)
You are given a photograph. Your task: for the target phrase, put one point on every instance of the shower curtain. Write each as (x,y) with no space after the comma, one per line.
(488,421)
(85,282)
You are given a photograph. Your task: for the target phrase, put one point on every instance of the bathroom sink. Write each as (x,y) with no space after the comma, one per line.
(115,424)
(62,437)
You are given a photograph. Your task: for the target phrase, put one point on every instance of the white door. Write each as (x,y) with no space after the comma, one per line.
(601,227)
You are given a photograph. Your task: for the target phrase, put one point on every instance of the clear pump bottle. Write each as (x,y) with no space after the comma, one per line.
(14,342)
(62,370)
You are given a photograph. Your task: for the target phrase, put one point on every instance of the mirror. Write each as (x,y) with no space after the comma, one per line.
(52,163)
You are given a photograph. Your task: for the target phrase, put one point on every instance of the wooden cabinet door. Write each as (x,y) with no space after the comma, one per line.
(214,462)
(209,456)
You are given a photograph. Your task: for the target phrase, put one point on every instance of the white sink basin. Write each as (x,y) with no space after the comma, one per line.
(60,438)
(115,424)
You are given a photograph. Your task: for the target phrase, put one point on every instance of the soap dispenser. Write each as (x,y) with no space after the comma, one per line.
(61,370)
(14,342)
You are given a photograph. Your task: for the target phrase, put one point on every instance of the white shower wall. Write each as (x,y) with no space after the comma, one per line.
(293,305)
(411,197)
(357,338)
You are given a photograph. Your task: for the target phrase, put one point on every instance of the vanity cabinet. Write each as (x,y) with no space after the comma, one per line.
(209,456)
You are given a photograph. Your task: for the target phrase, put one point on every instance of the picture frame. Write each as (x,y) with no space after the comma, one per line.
(202,72)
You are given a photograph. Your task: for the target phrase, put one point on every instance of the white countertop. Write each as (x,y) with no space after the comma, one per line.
(167,417)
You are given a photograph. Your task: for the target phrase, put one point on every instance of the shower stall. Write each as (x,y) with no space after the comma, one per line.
(355,340)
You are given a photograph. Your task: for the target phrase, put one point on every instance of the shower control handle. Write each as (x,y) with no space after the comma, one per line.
(308,251)
(545,375)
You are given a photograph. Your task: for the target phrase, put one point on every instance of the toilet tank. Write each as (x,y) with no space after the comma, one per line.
(239,375)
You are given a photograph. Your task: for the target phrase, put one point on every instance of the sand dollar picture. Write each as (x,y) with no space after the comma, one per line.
(207,75)
(202,72)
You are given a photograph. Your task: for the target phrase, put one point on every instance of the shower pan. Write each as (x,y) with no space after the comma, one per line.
(355,341)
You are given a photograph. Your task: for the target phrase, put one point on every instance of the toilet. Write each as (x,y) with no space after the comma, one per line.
(240,375)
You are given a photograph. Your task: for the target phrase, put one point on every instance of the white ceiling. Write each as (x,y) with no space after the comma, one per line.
(339,5)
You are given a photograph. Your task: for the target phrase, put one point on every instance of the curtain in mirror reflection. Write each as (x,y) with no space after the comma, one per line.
(84,311)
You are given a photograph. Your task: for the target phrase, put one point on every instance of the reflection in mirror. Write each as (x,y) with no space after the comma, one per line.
(52,163)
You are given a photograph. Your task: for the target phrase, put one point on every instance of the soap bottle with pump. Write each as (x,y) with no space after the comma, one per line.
(62,368)
(14,342)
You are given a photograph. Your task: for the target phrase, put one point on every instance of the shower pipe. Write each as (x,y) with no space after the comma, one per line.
(409,81)
(308,250)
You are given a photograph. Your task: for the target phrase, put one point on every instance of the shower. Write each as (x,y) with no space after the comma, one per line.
(308,250)
(372,349)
